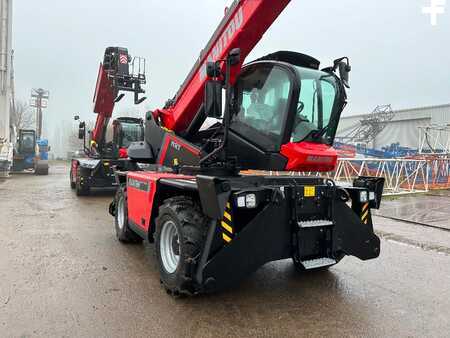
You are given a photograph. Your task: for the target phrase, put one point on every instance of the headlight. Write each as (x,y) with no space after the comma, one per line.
(246,201)
(364,197)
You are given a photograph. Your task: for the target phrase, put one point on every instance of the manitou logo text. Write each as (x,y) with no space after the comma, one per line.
(224,41)
(139,185)
(320,159)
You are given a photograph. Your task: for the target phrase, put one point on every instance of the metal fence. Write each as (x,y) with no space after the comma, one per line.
(402,176)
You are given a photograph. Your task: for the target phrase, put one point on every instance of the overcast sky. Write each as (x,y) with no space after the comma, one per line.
(397,57)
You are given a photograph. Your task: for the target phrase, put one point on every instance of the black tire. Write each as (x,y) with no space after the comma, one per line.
(41,171)
(190,226)
(123,232)
(72,183)
(81,189)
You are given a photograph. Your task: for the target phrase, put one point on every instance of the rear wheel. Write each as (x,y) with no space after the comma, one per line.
(179,237)
(72,183)
(123,232)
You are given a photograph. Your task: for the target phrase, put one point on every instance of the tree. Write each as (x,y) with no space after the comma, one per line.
(22,116)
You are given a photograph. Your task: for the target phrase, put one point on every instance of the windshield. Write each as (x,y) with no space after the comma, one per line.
(131,132)
(28,142)
(316,105)
(264,97)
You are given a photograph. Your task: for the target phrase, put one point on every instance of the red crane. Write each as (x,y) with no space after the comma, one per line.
(118,73)
(211,225)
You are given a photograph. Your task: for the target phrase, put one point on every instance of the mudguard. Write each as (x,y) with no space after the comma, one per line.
(266,238)
(352,236)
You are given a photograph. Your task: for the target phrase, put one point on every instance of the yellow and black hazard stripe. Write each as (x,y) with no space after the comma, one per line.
(227,224)
(365,213)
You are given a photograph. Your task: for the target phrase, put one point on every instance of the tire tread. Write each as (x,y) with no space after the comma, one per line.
(189,216)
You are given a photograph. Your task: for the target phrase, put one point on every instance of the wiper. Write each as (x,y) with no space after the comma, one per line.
(320,133)
(311,132)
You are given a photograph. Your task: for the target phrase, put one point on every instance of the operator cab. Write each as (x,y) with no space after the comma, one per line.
(27,142)
(286,112)
(126,130)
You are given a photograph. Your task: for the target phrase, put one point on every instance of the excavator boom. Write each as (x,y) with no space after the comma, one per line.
(103,103)
(244,24)
(114,76)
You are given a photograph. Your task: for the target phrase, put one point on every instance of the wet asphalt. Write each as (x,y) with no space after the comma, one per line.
(63,274)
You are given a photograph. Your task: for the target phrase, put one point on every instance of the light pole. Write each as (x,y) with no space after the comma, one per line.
(39,100)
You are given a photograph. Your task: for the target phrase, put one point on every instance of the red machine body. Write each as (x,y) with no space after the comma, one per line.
(141,192)
(308,156)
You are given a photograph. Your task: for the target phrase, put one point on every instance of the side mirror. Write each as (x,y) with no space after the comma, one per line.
(81,130)
(213,99)
(344,70)
(234,57)
(81,134)
(343,65)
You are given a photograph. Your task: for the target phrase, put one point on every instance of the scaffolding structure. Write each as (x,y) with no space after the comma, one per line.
(369,127)
(402,176)
(434,140)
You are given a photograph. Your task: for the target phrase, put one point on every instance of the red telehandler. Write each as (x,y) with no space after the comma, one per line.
(114,76)
(211,224)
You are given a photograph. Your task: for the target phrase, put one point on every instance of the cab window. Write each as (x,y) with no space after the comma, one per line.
(316,105)
(263,96)
(28,142)
(131,132)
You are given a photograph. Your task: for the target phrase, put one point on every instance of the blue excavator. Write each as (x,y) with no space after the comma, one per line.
(31,153)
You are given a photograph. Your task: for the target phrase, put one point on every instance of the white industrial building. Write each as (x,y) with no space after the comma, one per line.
(404,127)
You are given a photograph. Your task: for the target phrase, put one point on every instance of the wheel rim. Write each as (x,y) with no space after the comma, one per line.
(170,246)
(120,213)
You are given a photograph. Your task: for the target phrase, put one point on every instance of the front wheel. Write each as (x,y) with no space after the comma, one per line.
(179,237)
(72,183)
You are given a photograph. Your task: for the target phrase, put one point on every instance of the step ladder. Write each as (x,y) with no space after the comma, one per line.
(318,263)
